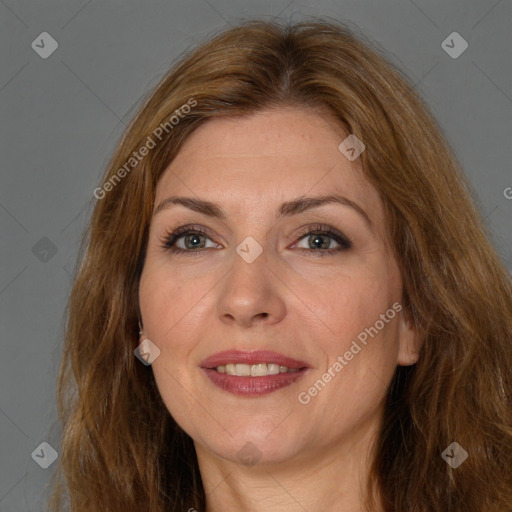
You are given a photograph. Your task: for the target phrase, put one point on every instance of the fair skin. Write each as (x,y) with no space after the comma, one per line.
(309,456)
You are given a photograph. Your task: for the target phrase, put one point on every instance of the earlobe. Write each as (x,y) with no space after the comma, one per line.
(408,339)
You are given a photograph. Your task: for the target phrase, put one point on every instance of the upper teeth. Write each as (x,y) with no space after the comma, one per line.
(254,370)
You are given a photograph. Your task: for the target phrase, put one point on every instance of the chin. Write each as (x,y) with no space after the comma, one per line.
(250,446)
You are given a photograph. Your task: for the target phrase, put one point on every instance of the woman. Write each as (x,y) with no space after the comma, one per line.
(287,299)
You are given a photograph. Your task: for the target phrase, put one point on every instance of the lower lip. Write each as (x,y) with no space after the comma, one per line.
(252,386)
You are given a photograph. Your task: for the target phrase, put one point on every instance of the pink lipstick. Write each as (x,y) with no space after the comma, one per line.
(252,373)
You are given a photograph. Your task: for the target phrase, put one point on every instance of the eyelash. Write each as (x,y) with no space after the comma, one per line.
(170,238)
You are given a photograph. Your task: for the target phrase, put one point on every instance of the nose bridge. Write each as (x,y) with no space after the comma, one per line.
(249,271)
(250,290)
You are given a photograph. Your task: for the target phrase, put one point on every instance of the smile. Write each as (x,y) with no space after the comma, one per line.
(252,373)
(254,370)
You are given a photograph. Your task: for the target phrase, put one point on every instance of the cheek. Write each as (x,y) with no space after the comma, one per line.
(362,356)
(170,300)
(342,306)
(356,332)
(170,305)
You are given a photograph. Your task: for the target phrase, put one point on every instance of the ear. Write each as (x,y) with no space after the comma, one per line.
(408,339)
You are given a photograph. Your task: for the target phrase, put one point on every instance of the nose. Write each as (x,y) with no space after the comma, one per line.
(250,294)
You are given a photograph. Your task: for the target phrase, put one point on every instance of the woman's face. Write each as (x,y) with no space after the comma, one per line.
(255,271)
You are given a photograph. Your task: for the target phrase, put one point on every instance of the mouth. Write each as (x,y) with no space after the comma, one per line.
(252,373)
(254,370)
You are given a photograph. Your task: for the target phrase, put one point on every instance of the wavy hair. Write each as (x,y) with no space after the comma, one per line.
(121,449)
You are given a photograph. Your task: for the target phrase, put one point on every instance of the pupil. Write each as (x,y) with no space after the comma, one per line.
(323,244)
(194,238)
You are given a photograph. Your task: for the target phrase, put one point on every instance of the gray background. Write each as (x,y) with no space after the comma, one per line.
(61,118)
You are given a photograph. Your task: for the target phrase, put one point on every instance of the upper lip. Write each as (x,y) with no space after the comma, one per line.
(251,357)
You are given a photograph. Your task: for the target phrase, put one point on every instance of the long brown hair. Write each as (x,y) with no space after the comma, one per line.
(122,451)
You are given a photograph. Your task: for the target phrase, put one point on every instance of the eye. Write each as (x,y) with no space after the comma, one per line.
(320,239)
(187,239)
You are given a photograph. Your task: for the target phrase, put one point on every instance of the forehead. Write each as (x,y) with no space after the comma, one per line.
(271,156)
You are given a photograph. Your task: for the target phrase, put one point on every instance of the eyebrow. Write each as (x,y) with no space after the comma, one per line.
(287,209)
